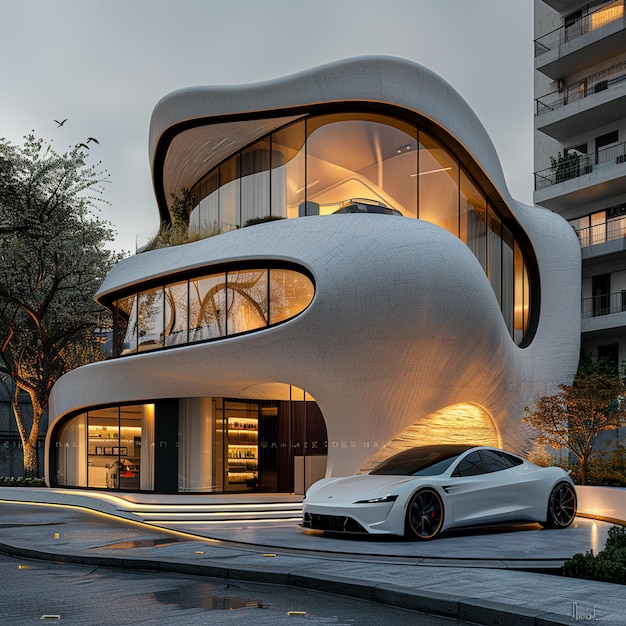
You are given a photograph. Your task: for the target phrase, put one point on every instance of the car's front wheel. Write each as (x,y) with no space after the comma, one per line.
(561,506)
(424,515)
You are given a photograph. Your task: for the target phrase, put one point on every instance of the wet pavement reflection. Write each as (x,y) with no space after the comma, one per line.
(520,542)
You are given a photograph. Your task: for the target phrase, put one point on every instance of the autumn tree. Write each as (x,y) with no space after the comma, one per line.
(52,260)
(573,417)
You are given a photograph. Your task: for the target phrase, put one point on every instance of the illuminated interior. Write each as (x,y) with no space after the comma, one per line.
(219,444)
(607,14)
(208,307)
(109,448)
(314,166)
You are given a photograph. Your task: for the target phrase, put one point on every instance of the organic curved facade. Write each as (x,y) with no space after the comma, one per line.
(395,284)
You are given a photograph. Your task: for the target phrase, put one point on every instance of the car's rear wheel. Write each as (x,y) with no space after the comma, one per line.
(424,515)
(561,506)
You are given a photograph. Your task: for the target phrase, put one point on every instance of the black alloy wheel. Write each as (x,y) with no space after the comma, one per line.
(561,506)
(424,516)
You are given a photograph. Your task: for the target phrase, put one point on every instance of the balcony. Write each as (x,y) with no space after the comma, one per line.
(575,179)
(604,312)
(583,43)
(595,100)
(602,239)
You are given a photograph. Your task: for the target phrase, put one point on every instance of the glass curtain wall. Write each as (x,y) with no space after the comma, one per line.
(315,165)
(108,448)
(223,445)
(372,158)
(438,185)
(287,179)
(473,219)
(209,307)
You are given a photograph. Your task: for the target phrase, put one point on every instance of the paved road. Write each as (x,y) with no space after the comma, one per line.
(94,595)
(483,595)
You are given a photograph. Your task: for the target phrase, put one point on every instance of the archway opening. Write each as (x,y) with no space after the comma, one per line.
(458,423)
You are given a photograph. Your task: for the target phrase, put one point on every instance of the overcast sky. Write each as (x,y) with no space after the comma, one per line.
(104,64)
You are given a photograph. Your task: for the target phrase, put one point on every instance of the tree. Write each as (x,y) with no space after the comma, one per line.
(52,260)
(573,417)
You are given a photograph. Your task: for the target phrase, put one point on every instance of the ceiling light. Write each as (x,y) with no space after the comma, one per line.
(441,169)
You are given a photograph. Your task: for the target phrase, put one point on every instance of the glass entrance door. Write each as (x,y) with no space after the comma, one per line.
(114,448)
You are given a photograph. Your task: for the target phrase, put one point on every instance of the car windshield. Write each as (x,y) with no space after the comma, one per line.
(424,461)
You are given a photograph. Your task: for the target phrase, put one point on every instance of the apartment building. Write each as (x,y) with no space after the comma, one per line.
(580,152)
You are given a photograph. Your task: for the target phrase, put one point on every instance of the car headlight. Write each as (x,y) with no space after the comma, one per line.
(387,498)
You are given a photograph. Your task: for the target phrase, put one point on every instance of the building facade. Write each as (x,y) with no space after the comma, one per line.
(357,280)
(580,152)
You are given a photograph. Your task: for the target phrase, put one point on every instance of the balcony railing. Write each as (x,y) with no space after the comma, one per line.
(595,83)
(605,304)
(580,27)
(573,165)
(601,233)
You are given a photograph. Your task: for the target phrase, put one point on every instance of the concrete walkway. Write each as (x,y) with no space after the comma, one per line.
(64,532)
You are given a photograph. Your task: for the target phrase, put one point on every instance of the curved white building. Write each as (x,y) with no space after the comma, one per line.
(411,300)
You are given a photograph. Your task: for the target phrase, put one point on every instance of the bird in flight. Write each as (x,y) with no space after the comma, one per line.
(92,139)
(82,145)
(60,123)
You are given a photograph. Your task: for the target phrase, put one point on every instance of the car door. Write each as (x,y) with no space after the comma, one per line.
(482,488)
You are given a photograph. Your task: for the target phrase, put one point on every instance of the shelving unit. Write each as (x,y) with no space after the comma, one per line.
(105,451)
(243,451)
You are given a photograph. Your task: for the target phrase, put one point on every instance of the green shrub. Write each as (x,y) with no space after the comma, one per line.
(21,482)
(609,565)
(262,220)
(616,538)
(581,566)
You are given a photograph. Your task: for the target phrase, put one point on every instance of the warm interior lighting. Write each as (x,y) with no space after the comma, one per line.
(307,186)
(439,169)
(606,15)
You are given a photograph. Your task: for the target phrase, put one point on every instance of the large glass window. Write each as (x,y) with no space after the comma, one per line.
(287,176)
(107,448)
(438,185)
(494,249)
(508,279)
(229,193)
(205,217)
(247,301)
(373,158)
(121,313)
(522,295)
(473,219)
(150,319)
(290,293)
(209,307)
(126,325)
(255,181)
(313,166)
(103,446)
(176,313)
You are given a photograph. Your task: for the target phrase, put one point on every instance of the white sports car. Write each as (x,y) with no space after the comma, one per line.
(424,491)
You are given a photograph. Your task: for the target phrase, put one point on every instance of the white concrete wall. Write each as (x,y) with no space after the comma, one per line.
(608,503)
(392,335)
